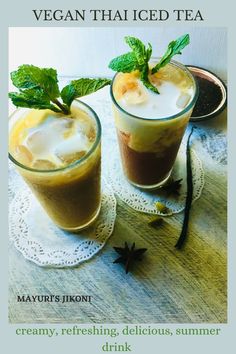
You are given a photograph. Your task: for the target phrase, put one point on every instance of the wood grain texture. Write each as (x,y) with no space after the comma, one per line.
(168,286)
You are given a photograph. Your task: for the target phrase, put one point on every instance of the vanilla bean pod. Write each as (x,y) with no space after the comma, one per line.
(189,197)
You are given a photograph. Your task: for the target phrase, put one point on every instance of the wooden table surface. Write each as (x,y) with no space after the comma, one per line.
(168,286)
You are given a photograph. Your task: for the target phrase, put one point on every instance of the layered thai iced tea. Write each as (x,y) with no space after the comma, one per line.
(150,126)
(60,159)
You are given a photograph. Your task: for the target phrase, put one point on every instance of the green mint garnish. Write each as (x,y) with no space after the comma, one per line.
(82,87)
(38,88)
(138,49)
(145,80)
(32,98)
(174,48)
(136,60)
(139,57)
(124,63)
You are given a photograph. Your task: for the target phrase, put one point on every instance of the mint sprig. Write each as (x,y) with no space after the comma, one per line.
(135,60)
(174,48)
(139,58)
(38,88)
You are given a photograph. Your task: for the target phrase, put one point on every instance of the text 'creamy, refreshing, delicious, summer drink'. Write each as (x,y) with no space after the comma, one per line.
(151,115)
(60,158)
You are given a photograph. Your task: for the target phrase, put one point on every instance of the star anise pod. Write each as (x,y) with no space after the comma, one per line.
(129,255)
(173,187)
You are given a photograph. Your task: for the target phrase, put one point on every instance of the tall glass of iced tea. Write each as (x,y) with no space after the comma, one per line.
(150,126)
(59,157)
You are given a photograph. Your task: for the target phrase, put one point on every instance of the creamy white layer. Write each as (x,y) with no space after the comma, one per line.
(52,140)
(145,103)
(176,90)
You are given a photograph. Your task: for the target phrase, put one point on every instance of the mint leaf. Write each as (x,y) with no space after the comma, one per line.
(32,98)
(148,52)
(82,87)
(138,49)
(135,60)
(30,76)
(38,88)
(124,63)
(174,48)
(68,93)
(145,80)
(139,57)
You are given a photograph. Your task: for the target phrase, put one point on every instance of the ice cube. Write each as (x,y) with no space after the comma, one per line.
(36,141)
(60,127)
(172,74)
(23,155)
(51,132)
(183,100)
(68,158)
(137,96)
(62,124)
(83,126)
(73,148)
(69,131)
(125,82)
(43,165)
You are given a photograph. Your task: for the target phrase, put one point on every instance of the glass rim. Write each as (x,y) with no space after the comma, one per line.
(77,162)
(185,110)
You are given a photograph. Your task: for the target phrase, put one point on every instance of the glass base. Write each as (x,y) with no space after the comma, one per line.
(84,226)
(153,186)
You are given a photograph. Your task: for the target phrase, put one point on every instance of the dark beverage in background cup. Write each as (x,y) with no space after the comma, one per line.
(59,157)
(150,126)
